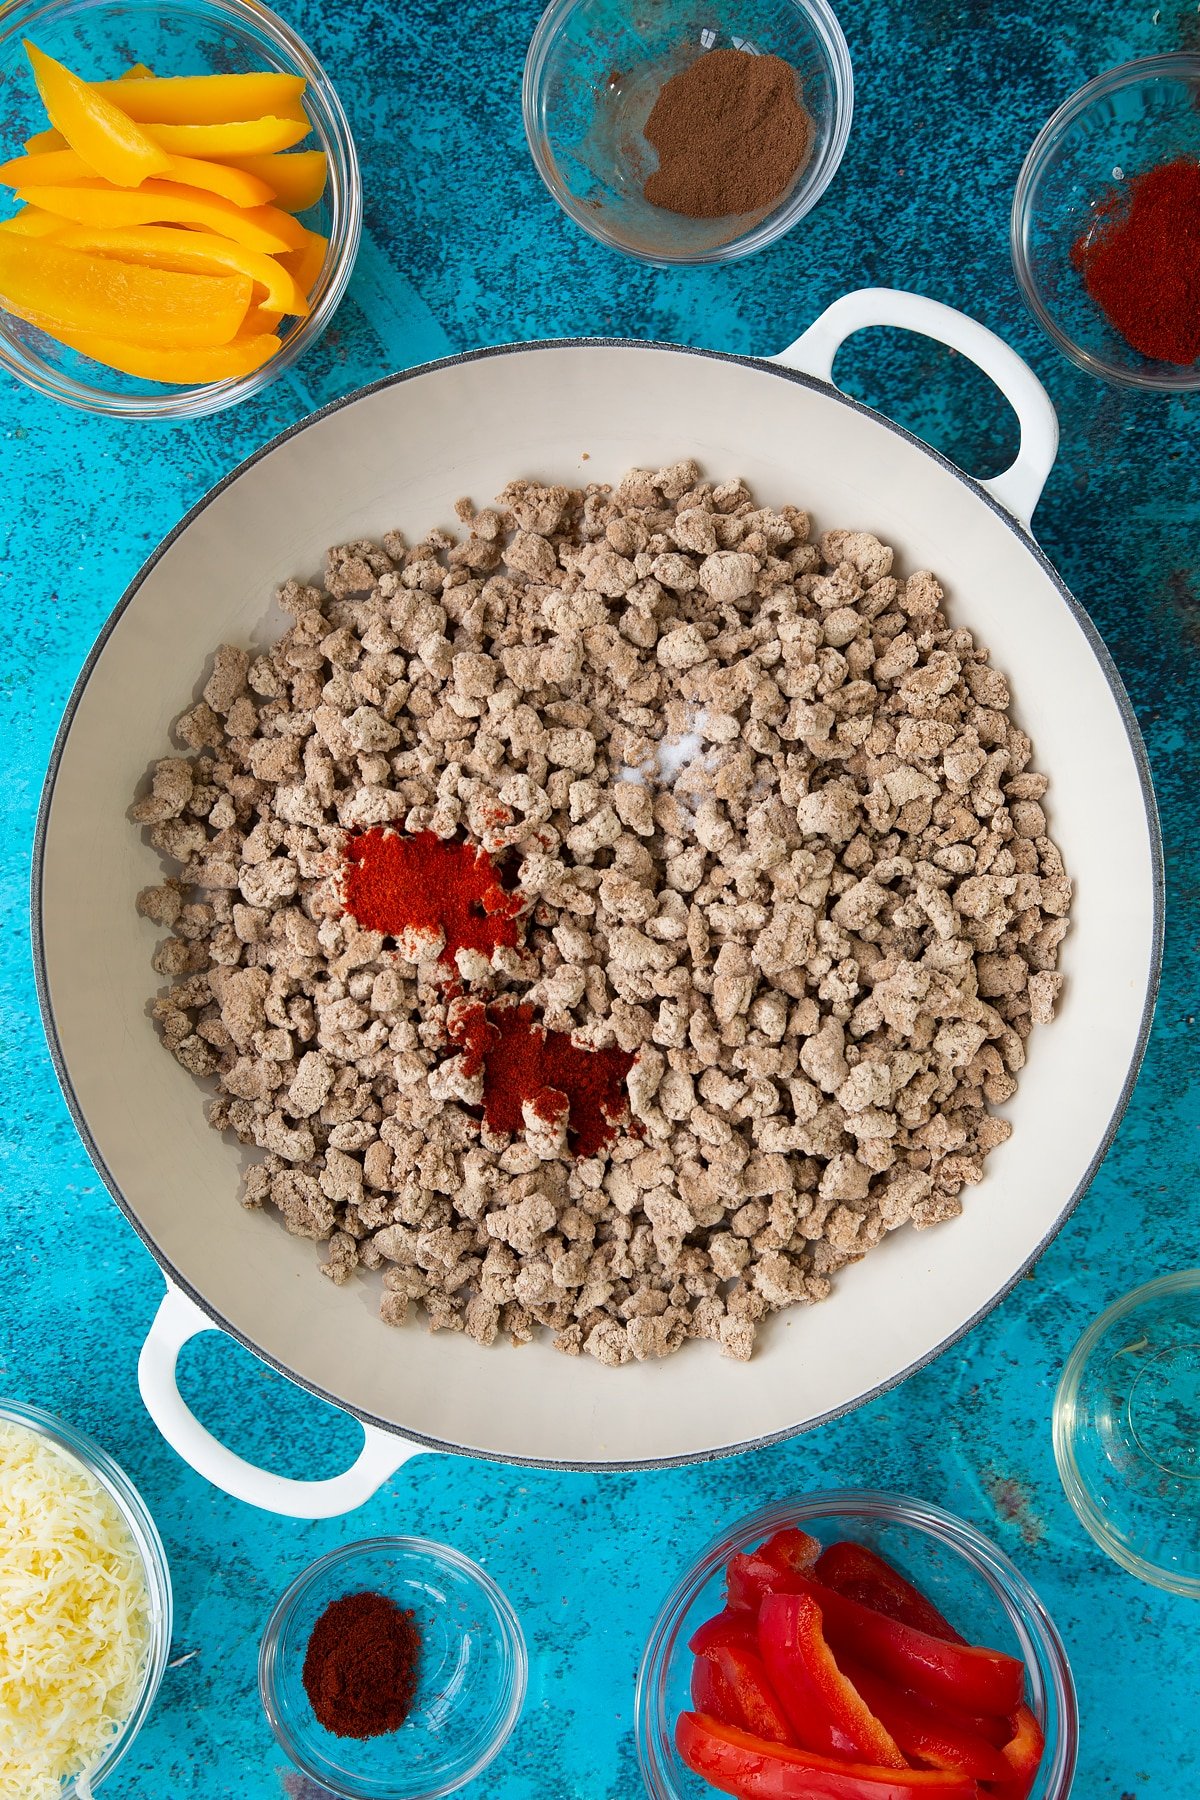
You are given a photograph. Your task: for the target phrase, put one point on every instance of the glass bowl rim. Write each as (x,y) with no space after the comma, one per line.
(826,27)
(345,177)
(510,1628)
(1019,1599)
(1173,64)
(1089,1514)
(133,1509)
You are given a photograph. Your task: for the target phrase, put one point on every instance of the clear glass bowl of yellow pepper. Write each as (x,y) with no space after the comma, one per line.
(167,246)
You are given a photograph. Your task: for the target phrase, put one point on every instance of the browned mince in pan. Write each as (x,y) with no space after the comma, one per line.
(784,910)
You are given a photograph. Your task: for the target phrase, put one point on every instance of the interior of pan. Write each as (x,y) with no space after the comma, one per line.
(399,456)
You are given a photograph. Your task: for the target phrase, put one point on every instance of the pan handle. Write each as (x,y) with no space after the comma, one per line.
(179,1319)
(1019,488)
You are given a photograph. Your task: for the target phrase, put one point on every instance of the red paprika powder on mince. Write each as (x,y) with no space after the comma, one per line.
(360,1668)
(523,1063)
(393,884)
(1140,262)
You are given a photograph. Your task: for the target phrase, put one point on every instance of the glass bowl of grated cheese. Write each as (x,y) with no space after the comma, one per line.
(85,1608)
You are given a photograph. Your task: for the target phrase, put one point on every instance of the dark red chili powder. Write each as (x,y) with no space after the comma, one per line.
(394,882)
(360,1668)
(1141,262)
(522,1061)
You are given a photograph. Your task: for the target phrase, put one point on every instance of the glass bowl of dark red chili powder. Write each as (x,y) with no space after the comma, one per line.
(679,133)
(1106,225)
(392,1669)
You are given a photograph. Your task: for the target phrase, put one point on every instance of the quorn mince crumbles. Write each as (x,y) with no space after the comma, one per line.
(750,822)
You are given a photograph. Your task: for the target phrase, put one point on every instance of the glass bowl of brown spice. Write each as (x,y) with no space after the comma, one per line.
(392,1669)
(679,134)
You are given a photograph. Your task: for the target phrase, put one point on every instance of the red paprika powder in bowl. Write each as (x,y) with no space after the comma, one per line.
(392,1669)
(1106,225)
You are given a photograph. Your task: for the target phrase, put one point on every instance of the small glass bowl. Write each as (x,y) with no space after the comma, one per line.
(592,74)
(965,1576)
(99,38)
(1127,1432)
(101,1467)
(471,1675)
(1119,125)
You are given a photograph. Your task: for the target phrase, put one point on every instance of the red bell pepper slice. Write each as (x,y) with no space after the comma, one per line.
(769,1569)
(753,1769)
(748,1578)
(723,1628)
(712,1694)
(1023,1755)
(853,1570)
(825,1711)
(991,1727)
(969,1676)
(924,1731)
(792,1548)
(757,1707)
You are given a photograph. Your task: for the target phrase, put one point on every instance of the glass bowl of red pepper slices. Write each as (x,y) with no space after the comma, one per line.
(855,1645)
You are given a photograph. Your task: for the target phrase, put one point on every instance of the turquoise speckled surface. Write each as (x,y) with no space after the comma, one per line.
(463,248)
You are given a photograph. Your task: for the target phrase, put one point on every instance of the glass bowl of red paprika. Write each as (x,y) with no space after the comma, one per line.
(392,1669)
(940,1567)
(1105,231)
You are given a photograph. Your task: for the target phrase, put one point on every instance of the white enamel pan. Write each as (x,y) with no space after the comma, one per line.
(399,454)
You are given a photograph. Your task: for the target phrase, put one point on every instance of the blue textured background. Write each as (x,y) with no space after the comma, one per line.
(463,248)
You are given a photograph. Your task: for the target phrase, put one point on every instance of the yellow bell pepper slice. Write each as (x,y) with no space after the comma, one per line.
(137,72)
(54,140)
(239,186)
(68,289)
(241,137)
(193,253)
(306,263)
(260,318)
(296,181)
(31,221)
(164,202)
(45,140)
(182,368)
(94,127)
(64,166)
(45,165)
(206,99)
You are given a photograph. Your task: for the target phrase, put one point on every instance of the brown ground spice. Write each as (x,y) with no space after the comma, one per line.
(730,134)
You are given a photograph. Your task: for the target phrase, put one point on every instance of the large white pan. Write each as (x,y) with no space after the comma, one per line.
(399,454)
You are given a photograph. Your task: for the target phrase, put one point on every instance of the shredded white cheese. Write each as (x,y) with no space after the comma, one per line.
(74,1618)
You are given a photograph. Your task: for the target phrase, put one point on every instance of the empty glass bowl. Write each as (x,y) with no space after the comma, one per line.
(967,1578)
(1119,125)
(100,38)
(101,1467)
(1127,1431)
(471,1674)
(592,75)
